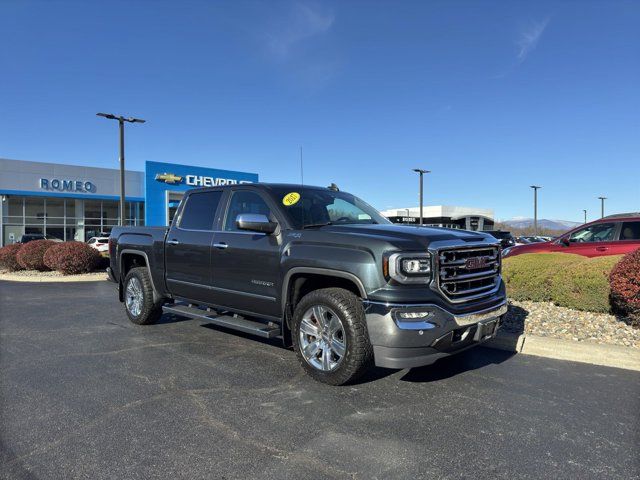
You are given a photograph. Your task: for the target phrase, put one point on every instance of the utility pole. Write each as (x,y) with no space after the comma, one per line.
(585,216)
(602,199)
(535,208)
(421,172)
(121,121)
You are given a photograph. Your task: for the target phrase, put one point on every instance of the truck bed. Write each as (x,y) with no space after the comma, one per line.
(146,240)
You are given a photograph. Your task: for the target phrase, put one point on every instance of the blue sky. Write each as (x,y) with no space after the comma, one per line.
(490,96)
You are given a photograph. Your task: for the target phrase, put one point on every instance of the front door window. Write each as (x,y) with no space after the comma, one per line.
(599,232)
(244,202)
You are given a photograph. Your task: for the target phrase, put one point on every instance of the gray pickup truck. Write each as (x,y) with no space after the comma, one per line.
(320,269)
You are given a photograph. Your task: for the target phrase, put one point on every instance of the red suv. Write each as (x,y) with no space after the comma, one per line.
(612,235)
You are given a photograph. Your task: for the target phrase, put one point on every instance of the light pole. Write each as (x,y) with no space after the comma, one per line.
(585,216)
(121,121)
(535,208)
(421,172)
(602,199)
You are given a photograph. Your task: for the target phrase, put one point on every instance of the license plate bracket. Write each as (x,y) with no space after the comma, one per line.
(485,329)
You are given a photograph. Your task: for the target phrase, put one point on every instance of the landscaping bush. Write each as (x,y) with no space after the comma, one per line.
(625,287)
(8,257)
(30,256)
(72,258)
(528,276)
(584,285)
(567,280)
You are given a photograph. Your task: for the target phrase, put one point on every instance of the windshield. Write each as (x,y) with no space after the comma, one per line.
(310,207)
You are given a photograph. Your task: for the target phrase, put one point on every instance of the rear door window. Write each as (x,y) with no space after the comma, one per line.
(630,231)
(200,210)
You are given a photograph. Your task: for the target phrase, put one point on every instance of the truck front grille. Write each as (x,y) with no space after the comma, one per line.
(468,273)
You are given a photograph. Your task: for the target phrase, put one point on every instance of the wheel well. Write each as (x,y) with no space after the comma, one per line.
(304,283)
(129,261)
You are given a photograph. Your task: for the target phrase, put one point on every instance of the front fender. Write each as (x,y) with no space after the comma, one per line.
(354,263)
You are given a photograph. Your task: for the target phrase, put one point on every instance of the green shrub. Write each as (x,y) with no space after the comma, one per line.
(567,280)
(584,285)
(528,276)
(8,257)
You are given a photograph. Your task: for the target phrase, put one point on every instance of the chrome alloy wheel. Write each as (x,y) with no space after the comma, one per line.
(323,341)
(134,296)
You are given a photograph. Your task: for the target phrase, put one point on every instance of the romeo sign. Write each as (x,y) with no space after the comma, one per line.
(67,185)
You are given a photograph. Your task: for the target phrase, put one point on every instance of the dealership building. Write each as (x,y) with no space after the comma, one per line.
(467,218)
(72,202)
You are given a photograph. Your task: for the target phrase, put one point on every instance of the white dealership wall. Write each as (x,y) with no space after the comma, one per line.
(439,215)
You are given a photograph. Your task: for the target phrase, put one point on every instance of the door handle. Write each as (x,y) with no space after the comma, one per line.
(602,249)
(173,242)
(220,245)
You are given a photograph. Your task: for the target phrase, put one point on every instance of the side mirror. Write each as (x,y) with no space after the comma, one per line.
(255,222)
(565,241)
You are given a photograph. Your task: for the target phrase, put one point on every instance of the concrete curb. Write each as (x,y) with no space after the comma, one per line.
(45,278)
(560,349)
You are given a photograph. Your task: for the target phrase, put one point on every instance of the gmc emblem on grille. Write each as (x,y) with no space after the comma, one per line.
(475,263)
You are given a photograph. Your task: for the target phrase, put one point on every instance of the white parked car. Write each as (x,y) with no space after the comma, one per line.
(100,243)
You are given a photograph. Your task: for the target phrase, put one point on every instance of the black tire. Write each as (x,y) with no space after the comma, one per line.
(358,357)
(149,311)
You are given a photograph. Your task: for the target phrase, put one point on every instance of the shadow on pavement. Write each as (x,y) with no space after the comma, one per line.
(456,364)
(471,359)
(514,320)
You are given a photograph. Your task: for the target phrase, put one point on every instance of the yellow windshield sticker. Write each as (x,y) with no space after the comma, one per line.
(291,199)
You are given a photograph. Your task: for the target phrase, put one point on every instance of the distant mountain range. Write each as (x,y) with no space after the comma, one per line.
(542,224)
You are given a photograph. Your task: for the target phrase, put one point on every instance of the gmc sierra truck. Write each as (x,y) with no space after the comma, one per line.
(318,268)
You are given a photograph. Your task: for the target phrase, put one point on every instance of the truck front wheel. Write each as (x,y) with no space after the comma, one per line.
(330,336)
(138,297)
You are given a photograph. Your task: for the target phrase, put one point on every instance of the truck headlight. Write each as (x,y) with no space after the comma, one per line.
(410,267)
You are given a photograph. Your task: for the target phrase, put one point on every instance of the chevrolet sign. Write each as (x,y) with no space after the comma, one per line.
(202,181)
(196,180)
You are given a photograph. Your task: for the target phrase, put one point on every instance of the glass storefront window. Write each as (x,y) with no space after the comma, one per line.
(110,213)
(64,218)
(70,206)
(55,207)
(93,209)
(34,210)
(14,208)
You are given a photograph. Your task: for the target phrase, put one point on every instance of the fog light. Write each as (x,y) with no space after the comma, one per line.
(413,315)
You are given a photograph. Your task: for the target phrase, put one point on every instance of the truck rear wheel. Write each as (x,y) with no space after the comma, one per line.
(138,297)
(330,336)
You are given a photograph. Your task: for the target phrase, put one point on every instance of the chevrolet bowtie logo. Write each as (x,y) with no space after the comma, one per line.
(168,178)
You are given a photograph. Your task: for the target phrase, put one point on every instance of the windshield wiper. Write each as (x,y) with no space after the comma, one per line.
(316,225)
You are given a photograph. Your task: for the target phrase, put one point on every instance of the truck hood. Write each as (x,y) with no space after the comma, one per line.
(403,233)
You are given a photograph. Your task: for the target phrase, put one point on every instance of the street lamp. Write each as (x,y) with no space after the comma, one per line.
(585,216)
(602,199)
(421,172)
(535,208)
(121,121)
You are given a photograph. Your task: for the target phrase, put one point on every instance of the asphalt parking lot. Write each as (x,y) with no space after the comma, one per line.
(87,394)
